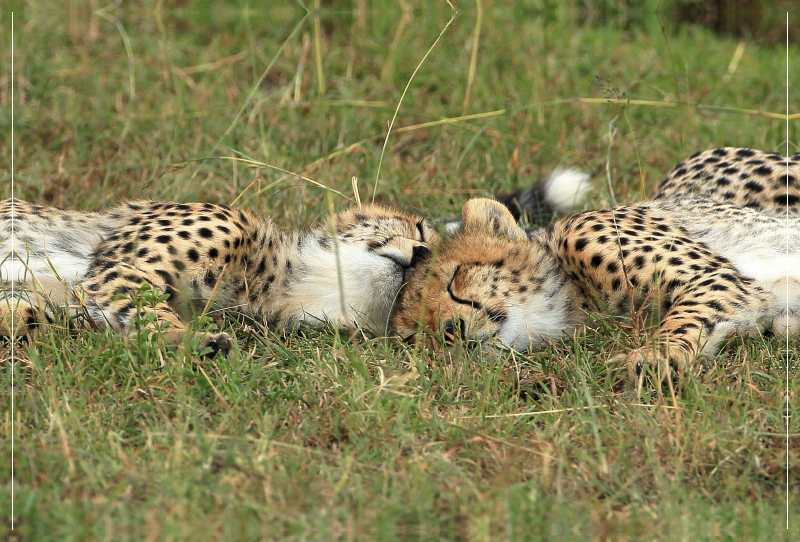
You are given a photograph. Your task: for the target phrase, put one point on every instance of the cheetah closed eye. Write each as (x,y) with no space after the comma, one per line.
(708,262)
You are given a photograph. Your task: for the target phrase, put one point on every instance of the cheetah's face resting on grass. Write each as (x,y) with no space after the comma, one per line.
(489,282)
(705,264)
(199,255)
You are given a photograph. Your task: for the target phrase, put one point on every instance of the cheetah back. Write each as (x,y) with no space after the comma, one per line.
(760,180)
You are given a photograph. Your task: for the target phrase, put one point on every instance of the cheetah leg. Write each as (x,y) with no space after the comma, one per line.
(699,319)
(117,302)
(131,317)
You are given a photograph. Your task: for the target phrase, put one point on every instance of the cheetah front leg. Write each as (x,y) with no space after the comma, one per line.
(117,296)
(699,318)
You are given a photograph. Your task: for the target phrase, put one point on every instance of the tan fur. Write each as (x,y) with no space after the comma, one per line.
(705,267)
(195,252)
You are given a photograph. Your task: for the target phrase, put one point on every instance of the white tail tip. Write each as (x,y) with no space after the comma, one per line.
(566,189)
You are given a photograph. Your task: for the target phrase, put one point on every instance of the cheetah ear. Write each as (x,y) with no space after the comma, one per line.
(492,217)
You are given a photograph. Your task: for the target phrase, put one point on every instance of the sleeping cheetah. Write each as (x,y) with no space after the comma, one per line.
(193,252)
(717,253)
(96,262)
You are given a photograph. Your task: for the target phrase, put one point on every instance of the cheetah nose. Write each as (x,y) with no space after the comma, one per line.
(449,329)
(419,253)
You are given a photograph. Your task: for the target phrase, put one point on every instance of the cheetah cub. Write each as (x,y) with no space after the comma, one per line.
(95,263)
(718,252)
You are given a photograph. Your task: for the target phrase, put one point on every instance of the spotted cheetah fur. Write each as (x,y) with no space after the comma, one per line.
(189,253)
(717,251)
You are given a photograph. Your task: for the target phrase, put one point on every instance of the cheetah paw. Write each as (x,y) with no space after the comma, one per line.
(218,343)
(663,364)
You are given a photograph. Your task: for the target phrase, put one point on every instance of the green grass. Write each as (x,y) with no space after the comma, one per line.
(321,436)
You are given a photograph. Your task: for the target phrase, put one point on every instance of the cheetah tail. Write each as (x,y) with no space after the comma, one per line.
(563,192)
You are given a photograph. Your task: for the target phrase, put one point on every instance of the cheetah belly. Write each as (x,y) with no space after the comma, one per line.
(46,264)
(766,249)
(779,274)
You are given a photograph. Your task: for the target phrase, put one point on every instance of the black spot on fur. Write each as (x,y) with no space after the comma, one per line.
(792,199)
(754,186)
(165,276)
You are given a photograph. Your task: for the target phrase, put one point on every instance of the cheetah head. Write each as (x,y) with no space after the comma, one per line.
(487,283)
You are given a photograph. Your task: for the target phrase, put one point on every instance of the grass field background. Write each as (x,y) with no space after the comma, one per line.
(322,437)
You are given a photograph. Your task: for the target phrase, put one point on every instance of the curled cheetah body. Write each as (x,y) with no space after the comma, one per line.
(717,252)
(96,263)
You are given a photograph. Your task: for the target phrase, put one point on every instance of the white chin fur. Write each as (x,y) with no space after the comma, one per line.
(371,283)
(565,189)
(528,327)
